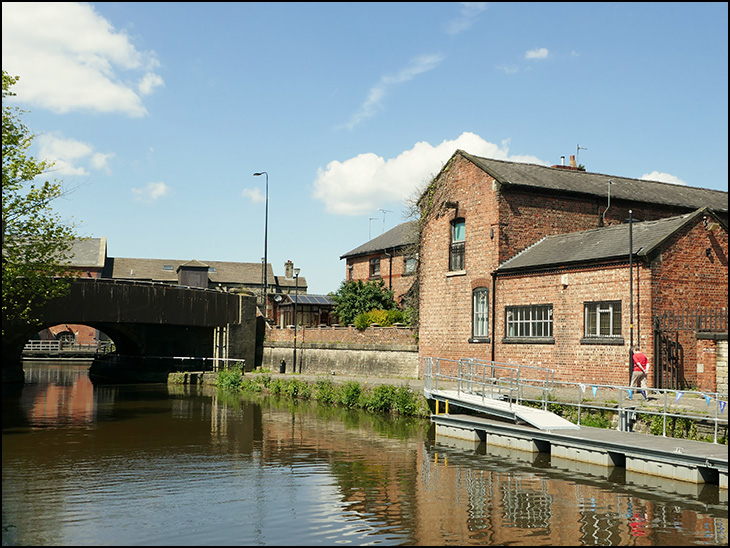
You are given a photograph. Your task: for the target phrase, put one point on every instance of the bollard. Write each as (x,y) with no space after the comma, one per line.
(282,367)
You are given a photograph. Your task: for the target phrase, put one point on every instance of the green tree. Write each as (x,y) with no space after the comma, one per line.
(355,297)
(34,241)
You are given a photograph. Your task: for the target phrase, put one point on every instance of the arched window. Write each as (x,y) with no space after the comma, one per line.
(480,314)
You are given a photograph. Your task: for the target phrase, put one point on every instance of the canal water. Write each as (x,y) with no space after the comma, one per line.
(187,465)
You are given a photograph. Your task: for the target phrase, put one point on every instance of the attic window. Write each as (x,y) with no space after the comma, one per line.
(167,267)
(211,269)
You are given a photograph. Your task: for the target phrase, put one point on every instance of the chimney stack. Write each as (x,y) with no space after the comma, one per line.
(572,161)
(289,270)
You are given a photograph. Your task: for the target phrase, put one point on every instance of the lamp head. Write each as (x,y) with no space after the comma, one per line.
(297,271)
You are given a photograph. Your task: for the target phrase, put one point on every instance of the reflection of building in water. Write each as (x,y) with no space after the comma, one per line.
(508,505)
(67,398)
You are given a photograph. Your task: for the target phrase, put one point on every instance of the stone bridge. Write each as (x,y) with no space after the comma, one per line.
(146,319)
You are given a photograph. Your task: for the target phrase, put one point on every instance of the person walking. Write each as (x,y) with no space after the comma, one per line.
(641,368)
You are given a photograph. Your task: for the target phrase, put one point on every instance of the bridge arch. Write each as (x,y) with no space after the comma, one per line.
(144,319)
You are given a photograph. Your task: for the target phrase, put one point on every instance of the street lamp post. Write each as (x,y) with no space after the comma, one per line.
(296,298)
(266,245)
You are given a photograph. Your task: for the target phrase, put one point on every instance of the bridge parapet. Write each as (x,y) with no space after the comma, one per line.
(144,318)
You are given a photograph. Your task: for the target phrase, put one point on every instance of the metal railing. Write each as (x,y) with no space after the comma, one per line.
(502,381)
(182,363)
(60,346)
(536,386)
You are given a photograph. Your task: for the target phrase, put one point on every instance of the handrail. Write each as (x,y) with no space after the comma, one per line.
(537,385)
(182,359)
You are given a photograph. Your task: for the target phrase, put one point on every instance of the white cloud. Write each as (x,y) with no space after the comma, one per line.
(466,18)
(151,192)
(662,178)
(254,194)
(70,58)
(149,82)
(537,53)
(419,65)
(368,182)
(69,156)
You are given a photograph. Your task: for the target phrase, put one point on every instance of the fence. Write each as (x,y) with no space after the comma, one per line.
(522,384)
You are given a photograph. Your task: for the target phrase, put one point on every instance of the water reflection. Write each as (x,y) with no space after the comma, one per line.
(152,464)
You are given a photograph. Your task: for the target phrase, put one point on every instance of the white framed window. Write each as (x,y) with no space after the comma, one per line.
(375,268)
(532,321)
(602,319)
(409,265)
(480,314)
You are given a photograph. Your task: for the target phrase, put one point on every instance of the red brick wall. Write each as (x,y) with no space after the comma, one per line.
(500,222)
(391,272)
(572,359)
(346,335)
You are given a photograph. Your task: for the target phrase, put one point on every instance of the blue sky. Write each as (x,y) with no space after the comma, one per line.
(158,114)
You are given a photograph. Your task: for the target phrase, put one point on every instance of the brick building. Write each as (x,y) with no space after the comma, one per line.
(391,257)
(86,259)
(523,264)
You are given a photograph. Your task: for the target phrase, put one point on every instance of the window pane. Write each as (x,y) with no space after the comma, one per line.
(603,319)
(456,256)
(458,232)
(480,326)
(529,321)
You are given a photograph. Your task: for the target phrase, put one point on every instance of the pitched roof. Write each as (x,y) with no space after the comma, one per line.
(321,300)
(599,244)
(87,253)
(401,236)
(165,270)
(596,184)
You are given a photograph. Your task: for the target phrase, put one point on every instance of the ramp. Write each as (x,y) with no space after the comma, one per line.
(539,418)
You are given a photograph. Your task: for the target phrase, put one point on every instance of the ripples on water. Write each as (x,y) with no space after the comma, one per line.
(85,465)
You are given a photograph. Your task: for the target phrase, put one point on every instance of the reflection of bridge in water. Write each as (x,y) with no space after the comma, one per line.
(145,319)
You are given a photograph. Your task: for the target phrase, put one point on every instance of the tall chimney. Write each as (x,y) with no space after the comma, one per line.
(562,160)
(289,270)
(572,161)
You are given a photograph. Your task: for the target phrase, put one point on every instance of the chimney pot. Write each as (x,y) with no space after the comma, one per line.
(562,160)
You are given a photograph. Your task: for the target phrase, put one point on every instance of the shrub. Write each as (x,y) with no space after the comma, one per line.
(350,394)
(230,379)
(381,399)
(324,391)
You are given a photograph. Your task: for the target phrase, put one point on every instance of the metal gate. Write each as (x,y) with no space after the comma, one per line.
(668,350)
(668,360)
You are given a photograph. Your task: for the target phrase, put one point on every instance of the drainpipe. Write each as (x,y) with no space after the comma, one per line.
(390,270)
(494,309)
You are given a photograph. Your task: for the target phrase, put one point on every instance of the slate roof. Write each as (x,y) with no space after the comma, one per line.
(401,236)
(87,253)
(600,244)
(596,184)
(165,270)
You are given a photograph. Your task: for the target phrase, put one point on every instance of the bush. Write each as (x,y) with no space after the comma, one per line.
(324,391)
(230,379)
(382,399)
(350,394)
(384,318)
